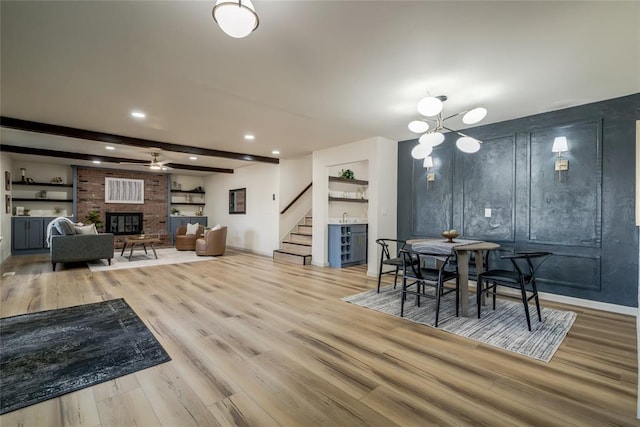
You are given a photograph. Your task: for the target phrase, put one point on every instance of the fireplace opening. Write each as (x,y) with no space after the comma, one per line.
(124,223)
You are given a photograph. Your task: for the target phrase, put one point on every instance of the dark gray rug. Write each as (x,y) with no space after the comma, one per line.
(505,328)
(51,353)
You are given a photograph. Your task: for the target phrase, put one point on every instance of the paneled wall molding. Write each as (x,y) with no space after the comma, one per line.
(567,213)
(587,219)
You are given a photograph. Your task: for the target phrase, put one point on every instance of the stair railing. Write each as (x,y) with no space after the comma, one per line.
(296,198)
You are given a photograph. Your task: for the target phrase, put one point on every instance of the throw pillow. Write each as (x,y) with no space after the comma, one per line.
(192,228)
(217,227)
(65,228)
(86,229)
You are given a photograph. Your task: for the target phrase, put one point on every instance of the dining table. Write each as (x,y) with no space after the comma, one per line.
(461,248)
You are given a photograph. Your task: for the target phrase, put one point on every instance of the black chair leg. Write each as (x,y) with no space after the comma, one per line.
(457,295)
(526,304)
(495,292)
(403,296)
(395,278)
(535,293)
(438,295)
(380,275)
(478,294)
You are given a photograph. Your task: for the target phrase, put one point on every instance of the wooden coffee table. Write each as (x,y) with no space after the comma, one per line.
(133,241)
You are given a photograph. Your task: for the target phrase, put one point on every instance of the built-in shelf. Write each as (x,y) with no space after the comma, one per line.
(348,181)
(40,184)
(20,199)
(188,203)
(187,192)
(346,199)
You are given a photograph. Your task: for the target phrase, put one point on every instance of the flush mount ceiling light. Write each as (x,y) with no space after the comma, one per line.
(249,137)
(237,18)
(138,114)
(275,152)
(431,107)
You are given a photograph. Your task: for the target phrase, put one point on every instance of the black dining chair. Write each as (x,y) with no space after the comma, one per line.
(523,277)
(386,259)
(422,269)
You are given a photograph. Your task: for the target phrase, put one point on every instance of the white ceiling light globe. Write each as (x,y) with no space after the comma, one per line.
(468,144)
(418,126)
(428,162)
(474,116)
(429,106)
(421,151)
(237,18)
(432,139)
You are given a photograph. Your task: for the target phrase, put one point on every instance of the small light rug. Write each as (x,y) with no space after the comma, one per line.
(55,352)
(140,259)
(505,328)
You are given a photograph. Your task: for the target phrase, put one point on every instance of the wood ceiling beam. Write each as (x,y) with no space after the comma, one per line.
(109,138)
(103,159)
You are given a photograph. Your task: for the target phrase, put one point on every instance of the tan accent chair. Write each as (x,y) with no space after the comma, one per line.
(213,243)
(187,242)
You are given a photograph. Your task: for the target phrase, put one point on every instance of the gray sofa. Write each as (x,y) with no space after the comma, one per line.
(80,247)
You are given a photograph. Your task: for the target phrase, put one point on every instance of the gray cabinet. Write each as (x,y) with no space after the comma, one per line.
(27,234)
(177,221)
(347,244)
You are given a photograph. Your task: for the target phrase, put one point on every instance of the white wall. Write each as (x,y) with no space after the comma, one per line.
(381,155)
(6,164)
(295,175)
(257,230)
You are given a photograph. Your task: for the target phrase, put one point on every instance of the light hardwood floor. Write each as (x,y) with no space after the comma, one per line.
(255,342)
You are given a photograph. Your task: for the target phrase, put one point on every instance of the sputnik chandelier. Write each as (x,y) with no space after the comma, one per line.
(431,107)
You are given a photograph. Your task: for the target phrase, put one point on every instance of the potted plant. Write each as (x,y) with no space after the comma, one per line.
(347,174)
(93,217)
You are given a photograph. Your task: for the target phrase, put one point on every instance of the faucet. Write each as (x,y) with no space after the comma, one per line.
(344,217)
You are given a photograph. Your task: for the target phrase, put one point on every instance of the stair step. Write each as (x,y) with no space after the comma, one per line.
(308,220)
(291,258)
(305,229)
(294,248)
(298,248)
(300,238)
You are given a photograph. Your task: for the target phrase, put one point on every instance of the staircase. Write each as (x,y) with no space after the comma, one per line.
(296,250)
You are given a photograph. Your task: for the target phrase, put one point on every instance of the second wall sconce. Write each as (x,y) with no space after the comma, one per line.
(428,164)
(560,146)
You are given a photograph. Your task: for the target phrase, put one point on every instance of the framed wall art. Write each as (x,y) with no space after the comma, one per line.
(122,190)
(238,201)
(7,180)
(7,204)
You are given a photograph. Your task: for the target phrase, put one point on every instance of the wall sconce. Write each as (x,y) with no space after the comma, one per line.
(428,164)
(560,146)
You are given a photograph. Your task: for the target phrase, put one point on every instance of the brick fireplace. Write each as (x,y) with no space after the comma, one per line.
(91,182)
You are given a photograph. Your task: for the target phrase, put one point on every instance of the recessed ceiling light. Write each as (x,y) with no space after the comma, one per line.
(108,147)
(97,162)
(193,158)
(138,114)
(249,137)
(275,152)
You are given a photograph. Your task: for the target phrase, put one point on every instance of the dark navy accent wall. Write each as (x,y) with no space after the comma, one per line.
(587,220)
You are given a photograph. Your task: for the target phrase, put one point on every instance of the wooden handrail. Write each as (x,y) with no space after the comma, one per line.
(297,197)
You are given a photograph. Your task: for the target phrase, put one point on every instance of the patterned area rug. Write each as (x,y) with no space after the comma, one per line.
(51,353)
(140,259)
(505,328)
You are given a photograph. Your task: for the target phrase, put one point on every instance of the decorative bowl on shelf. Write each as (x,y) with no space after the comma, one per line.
(450,235)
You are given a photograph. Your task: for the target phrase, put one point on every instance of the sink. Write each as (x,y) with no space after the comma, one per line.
(347,221)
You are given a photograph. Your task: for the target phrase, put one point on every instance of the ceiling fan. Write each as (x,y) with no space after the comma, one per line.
(155,164)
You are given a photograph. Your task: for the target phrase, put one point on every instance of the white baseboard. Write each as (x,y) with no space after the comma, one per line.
(597,305)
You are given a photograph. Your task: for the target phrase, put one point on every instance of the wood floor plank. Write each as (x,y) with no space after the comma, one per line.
(256,342)
(127,409)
